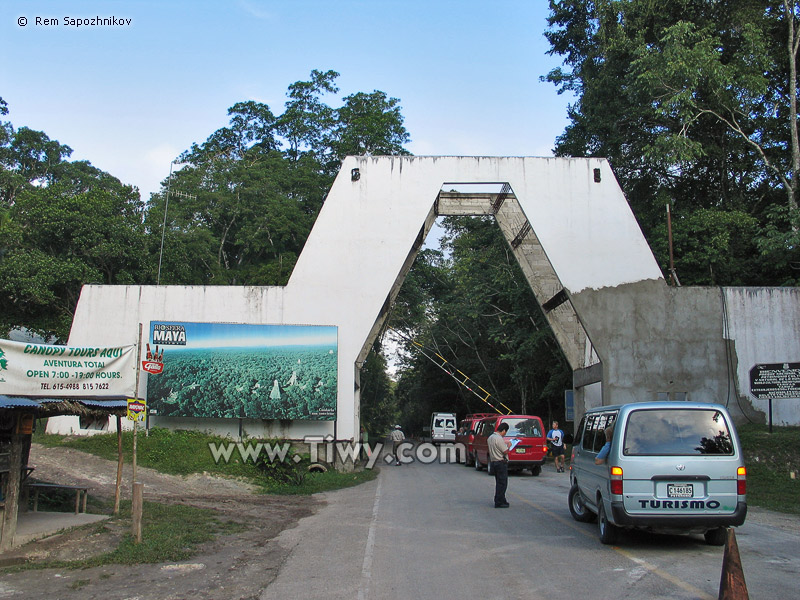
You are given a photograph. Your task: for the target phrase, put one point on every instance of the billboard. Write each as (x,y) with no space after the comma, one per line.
(66,371)
(228,371)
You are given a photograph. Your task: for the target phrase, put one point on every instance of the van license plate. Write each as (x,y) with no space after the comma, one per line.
(680,491)
(520,450)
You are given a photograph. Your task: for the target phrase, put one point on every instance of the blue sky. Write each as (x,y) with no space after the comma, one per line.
(130,98)
(228,335)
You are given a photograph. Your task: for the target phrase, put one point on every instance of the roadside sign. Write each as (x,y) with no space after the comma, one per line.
(137,409)
(569,405)
(775,381)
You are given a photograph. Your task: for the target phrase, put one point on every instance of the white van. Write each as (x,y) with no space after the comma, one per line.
(443,428)
(674,467)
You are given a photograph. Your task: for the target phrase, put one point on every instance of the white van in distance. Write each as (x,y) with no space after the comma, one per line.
(443,428)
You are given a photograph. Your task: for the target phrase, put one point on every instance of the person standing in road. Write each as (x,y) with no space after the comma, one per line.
(397,437)
(556,438)
(498,458)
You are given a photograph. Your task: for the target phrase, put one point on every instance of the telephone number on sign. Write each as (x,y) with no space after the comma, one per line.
(96,386)
(66,386)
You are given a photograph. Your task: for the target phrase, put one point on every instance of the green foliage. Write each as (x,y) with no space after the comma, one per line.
(182,452)
(177,452)
(314,483)
(242,209)
(474,307)
(239,213)
(378,403)
(62,224)
(771,458)
(291,471)
(691,102)
(170,533)
(713,246)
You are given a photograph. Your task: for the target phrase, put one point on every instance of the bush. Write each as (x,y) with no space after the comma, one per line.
(292,470)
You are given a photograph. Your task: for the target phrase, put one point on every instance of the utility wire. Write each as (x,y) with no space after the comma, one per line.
(460,378)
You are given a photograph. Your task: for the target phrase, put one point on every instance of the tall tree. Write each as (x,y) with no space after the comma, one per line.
(694,104)
(481,316)
(240,212)
(79,226)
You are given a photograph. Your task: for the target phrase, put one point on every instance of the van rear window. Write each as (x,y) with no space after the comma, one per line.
(523,428)
(677,432)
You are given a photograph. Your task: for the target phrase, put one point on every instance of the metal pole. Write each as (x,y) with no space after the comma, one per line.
(164,226)
(770,415)
(672,274)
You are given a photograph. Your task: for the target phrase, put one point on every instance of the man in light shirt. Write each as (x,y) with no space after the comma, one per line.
(498,459)
(397,438)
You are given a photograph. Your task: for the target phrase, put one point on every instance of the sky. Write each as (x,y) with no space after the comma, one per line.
(129,98)
(237,335)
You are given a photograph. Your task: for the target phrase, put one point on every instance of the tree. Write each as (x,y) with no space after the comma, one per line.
(369,124)
(693,102)
(242,209)
(481,316)
(378,409)
(27,158)
(61,236)
(62,224)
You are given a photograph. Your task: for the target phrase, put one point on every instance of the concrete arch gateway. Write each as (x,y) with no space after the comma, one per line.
(627,335)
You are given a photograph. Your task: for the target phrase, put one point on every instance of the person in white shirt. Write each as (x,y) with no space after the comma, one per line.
(498,458)
(397,437)
(556,438)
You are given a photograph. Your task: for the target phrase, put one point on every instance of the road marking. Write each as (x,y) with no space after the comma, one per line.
(688,587)
(366,568)
(642,563)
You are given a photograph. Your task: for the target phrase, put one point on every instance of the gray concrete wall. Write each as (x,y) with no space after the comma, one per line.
(657,341)
(763,325)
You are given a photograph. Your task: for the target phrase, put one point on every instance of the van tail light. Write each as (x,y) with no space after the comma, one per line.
(741,481)
(545,448)
(616,480)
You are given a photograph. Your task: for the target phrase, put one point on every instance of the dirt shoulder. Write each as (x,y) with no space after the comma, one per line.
(230,566)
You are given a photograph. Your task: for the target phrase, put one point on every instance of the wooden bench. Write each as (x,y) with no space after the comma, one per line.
(78,489)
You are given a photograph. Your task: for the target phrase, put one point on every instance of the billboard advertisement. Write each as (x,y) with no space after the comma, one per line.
(229,370)
(66,371)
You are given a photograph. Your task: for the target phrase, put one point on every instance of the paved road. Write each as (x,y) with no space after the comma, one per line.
(431,531)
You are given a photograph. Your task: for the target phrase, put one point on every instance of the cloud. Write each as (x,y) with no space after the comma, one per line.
(255,10)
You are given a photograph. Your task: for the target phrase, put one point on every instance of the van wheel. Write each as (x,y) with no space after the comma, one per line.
(608,532)
(535,470)
(716,537)
(577,508)
(477,463)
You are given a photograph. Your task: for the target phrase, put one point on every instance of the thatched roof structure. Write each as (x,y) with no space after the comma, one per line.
(88,406)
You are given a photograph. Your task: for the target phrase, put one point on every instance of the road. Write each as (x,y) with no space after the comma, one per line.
(431,531)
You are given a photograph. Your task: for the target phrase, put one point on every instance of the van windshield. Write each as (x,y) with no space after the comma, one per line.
(677,432)
(523,428)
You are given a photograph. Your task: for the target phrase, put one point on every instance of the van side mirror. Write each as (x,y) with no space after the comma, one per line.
(569,438)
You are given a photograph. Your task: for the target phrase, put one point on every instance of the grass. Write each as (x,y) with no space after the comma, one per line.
(771,458)
(170,533)
(180,452)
